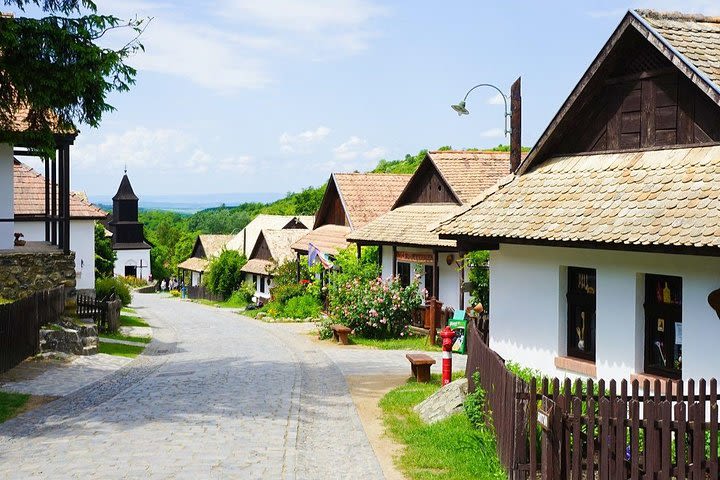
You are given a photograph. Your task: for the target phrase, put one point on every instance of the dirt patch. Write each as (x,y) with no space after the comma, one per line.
(35,401)
(366,392)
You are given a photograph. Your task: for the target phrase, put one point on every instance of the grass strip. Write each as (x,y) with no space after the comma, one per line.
(407,343)
(130,351)
(127,338)
(449,449)
(11,403)
(130,321)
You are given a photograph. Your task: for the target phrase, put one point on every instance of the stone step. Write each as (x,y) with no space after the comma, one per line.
(92,350)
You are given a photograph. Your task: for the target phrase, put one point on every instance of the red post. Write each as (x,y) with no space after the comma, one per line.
(447,336)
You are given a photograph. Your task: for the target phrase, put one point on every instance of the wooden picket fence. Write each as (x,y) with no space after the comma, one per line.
(105,313)
(202,293)
(20,324)
(606,430)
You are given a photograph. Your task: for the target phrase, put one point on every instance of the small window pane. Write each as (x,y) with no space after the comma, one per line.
(581,313)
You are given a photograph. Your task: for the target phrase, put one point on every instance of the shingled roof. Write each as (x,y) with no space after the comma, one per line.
(650,198)
(327,238)
(194,264)
(365,196)
(278,243)
(29,196)
(406,225)
(212,245)
(468,173)
(264,222)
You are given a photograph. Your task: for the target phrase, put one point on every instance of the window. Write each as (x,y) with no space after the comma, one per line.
(403,271)
(254,280)
(429,280)
(581,313)
(262,284)
(130,271)
(663,325)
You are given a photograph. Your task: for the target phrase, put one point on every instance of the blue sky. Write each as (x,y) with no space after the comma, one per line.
(274,95)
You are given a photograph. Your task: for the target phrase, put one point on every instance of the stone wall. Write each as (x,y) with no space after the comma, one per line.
(26,271)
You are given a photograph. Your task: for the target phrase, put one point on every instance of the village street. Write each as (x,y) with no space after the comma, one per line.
(214,395)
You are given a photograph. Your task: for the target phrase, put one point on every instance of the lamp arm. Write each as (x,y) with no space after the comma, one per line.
(504,97)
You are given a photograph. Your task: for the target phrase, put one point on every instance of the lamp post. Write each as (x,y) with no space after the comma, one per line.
(512,115)
(461,109)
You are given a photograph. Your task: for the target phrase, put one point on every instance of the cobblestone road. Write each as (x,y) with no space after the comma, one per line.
(214,396)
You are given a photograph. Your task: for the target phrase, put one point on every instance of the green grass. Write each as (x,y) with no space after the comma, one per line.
(226,304)
(408,343)
(129,321)
(10,403)
(129,310)
(447,450)
(127,338)
(120,350)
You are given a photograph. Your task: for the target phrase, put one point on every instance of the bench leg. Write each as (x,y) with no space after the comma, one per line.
(343,338)
(335,336)
(413,369)
(423,373)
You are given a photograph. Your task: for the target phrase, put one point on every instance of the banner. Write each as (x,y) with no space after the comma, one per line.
(315,255)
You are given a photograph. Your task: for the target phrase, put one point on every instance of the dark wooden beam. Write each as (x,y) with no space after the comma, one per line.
(394,260)
(436,276)
(461,275)
(380,254)
(297,267)
(359,251)
(47,199)
(60,199)
(66,197)
(515,125)
(53,201)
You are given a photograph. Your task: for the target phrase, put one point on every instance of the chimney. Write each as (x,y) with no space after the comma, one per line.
(515,126)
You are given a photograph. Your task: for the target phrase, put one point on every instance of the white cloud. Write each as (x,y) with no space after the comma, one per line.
(355,148)
(497,99)
(156,150)
(493,133)
(301,142)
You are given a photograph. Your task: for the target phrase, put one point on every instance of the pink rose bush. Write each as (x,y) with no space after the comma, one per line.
(376,308)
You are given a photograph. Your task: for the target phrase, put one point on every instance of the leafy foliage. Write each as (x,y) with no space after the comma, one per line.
(304,306)
(407,165)
(105,256)
(104,287)
(376,308)
(224,275)
(285,284)
(476,264)
(54,67)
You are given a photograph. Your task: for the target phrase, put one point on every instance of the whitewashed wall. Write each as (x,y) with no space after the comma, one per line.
(528,307)
(449,274)
(133,257)
(7,210)
(82,242)
(264,293)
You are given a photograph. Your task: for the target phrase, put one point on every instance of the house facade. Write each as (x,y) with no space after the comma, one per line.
(205,249)
(272,248)
(606,254)
(128,239)
(245,240)
(443,182)
(350,201)
(29,207)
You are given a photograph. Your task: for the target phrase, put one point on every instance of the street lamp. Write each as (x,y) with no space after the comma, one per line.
(461,109)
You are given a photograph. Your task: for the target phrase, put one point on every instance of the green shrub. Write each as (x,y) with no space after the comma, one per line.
(104,287)
(285,283)
(224,275)
(324,330)
(475,405)
(133,282)
(302,307)
(376,308)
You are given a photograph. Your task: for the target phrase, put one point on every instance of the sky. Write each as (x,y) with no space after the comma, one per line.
(249,96)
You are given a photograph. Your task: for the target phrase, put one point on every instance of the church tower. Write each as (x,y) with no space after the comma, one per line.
(133,252)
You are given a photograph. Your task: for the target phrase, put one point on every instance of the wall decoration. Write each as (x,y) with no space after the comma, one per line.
(449,259)
(660,324)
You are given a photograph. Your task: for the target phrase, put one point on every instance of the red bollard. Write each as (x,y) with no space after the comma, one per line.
(447,336)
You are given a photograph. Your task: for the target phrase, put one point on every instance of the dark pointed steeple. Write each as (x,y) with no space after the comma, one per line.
(127,231)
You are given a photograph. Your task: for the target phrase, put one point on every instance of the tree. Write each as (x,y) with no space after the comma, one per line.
(224,275)
(53,70)
(105,256)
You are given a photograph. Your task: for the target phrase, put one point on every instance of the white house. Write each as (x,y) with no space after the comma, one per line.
(608,235)
(128,240)
(271,249)
(29,206)
(444,181)
(205,249)
(245,240)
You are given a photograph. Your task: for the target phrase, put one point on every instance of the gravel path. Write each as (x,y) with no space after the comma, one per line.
(215,395)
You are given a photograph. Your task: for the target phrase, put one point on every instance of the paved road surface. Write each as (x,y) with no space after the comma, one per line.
(215,396)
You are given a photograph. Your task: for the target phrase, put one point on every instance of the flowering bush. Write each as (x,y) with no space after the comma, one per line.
(376,308)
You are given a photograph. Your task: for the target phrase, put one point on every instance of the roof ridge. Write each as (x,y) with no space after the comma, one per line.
(676,15)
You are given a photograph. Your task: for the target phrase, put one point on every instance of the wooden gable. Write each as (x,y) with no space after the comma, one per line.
(427,185)
(198,250)
(632,97)
(294,224)
(332,210)
(261,250)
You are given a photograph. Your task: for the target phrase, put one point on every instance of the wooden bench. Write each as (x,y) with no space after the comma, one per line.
(420,366)
(340,333)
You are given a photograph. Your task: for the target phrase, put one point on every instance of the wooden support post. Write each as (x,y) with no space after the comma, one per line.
(47,199)
(359,251)
(461,275)
(394,260)
(66,198)
(515,126)
(380,263)
(53,201)
(436,276)
(60,207)
(434,311)
(297,267)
